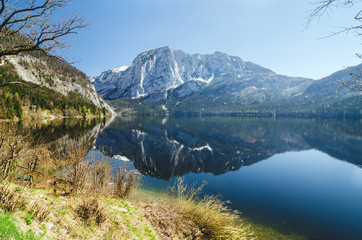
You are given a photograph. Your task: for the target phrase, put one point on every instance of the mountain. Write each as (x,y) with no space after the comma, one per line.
(57,84)
(167,80)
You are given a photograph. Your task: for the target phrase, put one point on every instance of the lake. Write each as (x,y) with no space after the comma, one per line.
(303,175)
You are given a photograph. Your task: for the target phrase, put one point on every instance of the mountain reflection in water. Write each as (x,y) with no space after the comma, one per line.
(164,148)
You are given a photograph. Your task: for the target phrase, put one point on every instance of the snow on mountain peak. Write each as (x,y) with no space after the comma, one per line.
(119,69)
(164,68)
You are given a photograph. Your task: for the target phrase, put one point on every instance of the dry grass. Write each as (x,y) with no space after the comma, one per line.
(73,164)
(41,212)
(100,174)
(215,219)
(11,200)
(126,182)
(89,211)
(79,217)
(169,224)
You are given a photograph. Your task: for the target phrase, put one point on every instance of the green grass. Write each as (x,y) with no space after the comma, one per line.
(9,230)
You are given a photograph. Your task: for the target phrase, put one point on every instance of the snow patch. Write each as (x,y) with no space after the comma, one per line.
(203,80)
(121,158)
(207,146)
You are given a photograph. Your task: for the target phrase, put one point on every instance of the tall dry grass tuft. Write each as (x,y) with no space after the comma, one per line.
(215,219)
(126,182)
(74,165)
(100,174)
(11,200)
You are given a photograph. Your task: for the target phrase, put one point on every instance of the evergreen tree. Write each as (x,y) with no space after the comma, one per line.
(10,106)
(18,107)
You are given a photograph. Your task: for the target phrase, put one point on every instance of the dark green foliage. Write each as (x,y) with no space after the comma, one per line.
(9,106)
(18,107)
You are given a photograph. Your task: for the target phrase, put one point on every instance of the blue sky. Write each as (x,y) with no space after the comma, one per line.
(271,33)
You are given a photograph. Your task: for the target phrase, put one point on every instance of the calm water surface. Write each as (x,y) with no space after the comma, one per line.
(302,174)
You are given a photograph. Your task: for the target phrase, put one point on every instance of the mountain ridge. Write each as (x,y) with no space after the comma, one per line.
(172,80)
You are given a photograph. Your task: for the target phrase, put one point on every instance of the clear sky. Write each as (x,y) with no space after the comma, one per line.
(271,33)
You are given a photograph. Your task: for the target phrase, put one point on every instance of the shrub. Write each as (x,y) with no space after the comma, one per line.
(126,181)
(13,146)
(75,166)
(40,211)
(89,211)
(100,174)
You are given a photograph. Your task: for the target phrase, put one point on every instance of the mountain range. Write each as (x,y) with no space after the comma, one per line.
(172,81)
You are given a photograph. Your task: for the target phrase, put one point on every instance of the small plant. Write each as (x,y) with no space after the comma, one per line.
(19,189)
(29,216)
(40,211)
(11,200)
(89,211)
(126,181)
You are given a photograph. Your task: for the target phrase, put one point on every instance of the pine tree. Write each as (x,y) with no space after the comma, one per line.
(18,107)
(10,106)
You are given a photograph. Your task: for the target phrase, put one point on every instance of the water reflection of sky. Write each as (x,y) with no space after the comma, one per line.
(308,189)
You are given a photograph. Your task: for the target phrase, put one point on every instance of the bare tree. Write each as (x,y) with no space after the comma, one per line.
(30,25)
(325,7)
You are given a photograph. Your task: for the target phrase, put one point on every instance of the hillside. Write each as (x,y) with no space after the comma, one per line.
(55,86)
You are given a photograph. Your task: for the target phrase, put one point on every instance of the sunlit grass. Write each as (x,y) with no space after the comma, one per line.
(215,219)
(9,230)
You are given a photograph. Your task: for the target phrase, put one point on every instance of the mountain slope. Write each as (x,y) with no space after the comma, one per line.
(59,85)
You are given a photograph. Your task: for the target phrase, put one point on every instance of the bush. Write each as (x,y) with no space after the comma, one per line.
(126,181)
(89,211)
(13,147)
(75,167)
(100,173)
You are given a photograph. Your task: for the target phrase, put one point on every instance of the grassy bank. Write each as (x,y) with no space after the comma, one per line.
(34,213)
(46,215)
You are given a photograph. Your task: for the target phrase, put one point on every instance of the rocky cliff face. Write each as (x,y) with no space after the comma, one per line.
(166,74)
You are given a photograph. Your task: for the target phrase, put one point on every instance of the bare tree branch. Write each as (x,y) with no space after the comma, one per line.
(16,83)
(30,26)
(355,83)
(324,7)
